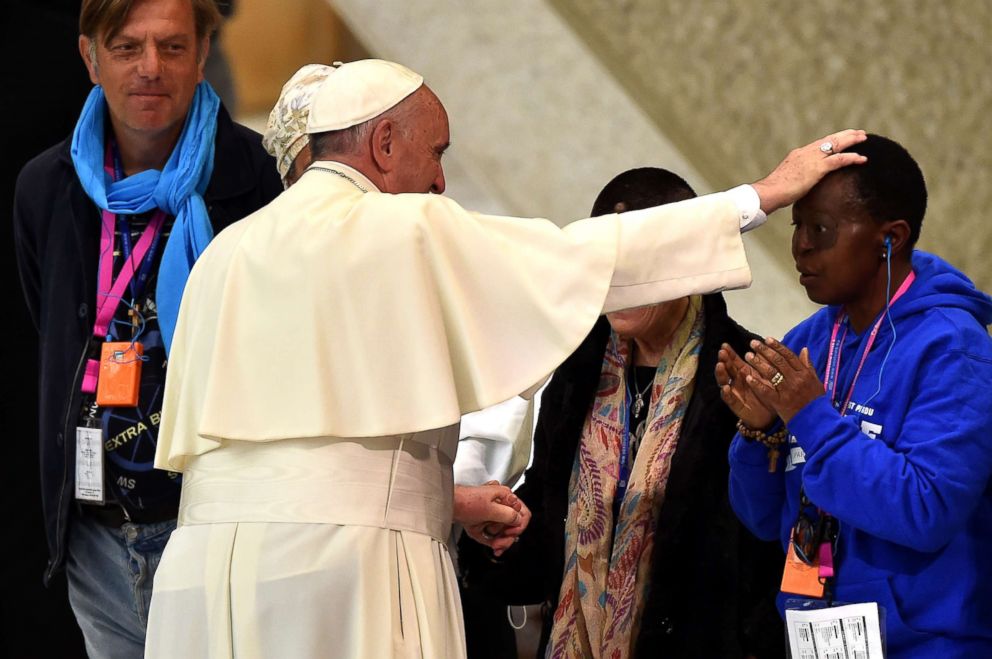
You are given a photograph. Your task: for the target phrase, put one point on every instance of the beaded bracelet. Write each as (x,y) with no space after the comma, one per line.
(771,440)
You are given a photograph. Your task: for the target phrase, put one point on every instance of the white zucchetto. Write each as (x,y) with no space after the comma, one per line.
(358,91)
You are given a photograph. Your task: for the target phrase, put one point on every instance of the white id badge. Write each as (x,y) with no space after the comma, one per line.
(850,631)
(89,464)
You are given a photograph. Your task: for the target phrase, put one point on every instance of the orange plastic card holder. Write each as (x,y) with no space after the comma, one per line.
(120,374)
(799,578)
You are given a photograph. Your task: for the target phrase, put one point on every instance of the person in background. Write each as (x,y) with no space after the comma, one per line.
(494,447)
(106,227)
(217,68)
(864,445)
(633,548)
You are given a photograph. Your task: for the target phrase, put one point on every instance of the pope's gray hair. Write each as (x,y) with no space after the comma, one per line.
(347,141)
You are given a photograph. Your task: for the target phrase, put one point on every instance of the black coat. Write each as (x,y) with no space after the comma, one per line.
(713,584)
(56,238)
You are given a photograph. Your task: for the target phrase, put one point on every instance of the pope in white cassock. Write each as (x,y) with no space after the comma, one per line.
(328,344)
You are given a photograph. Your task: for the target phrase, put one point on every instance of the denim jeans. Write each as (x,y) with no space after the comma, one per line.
(110,572)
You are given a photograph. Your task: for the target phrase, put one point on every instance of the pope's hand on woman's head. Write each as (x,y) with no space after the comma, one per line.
(731,373)
(803,168)
(780,379)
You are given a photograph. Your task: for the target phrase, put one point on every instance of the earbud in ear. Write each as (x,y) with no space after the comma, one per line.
(887,254)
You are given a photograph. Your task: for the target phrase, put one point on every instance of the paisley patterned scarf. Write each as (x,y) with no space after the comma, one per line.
(607,573)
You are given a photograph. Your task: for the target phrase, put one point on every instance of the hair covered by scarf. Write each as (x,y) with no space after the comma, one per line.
(286,131)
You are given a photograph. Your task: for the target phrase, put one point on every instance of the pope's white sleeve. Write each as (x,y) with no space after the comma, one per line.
(690,247)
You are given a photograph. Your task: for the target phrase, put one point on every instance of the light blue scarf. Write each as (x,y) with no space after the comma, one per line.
(177,189)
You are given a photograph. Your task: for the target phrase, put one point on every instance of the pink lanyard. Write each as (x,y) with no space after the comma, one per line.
(833,357)
(832,377)
(110,291)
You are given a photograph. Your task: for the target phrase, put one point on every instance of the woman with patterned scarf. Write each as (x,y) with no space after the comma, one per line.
(633,548)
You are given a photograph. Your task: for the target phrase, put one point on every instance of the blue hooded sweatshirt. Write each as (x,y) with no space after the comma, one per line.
(906,471)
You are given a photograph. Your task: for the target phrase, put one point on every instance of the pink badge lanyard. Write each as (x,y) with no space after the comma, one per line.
(833,357)
(109,290)
(826,562)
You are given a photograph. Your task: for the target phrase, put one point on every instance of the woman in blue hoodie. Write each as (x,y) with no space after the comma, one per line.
(883,402)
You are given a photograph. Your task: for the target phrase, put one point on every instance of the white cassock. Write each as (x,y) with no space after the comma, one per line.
(326,347)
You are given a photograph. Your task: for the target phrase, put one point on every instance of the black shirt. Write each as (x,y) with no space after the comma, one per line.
(130,434)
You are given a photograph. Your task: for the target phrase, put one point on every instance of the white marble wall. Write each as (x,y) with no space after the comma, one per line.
(751,78)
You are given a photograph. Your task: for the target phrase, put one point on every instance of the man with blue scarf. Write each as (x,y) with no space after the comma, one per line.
(107,226)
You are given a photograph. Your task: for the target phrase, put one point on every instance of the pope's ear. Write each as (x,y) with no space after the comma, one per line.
(382,144)
(87,50)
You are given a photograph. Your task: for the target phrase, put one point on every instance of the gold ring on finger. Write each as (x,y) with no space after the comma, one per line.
(777,379)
